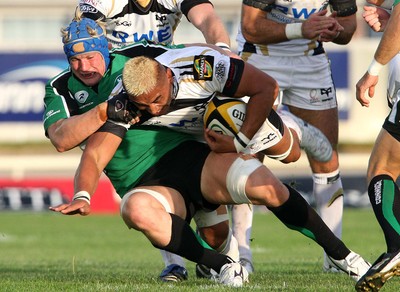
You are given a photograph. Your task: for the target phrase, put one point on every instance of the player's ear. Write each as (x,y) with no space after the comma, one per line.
(170,75)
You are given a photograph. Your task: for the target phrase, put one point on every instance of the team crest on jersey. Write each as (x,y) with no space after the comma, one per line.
(203,67)
(81,96)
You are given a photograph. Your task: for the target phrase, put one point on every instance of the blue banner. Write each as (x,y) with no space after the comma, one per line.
(22,84)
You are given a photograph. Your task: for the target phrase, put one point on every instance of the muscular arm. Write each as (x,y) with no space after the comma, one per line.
(66,134)
(257,29)
(204,18)
(99,150)
(349,24)
(262,90)
(389,45)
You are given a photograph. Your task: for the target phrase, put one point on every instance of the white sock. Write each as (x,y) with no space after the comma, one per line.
(242,220)
(230,247)
(328,194)
(171,258)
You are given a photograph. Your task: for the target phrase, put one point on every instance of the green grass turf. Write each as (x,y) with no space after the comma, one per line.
(50,252)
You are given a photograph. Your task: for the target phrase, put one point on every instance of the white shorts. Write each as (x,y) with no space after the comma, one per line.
(394,80)
(304,81)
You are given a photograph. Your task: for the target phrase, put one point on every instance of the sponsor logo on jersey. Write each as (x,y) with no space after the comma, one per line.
(160,36)
(87,8)
(296,12)
(162,19)
(81,96)
(220,71)
(203,67)
(123,23)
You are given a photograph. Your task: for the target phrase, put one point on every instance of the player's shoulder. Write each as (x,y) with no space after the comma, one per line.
(61,79)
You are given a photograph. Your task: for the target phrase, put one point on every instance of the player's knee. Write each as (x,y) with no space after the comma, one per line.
(135,212)
(237,177)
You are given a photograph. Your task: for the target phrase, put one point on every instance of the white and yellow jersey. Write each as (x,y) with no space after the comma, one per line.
(127,22)
(200,73)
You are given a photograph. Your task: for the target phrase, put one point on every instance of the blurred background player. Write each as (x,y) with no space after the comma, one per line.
(129,21)
(384,163)
(284,39)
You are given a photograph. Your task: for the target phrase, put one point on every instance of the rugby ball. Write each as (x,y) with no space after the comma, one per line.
(225,115)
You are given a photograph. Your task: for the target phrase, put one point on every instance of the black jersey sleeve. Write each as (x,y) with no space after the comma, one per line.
(265,5)
(234,76)
(189,4)
(344,7)
(143,48)
(113,128)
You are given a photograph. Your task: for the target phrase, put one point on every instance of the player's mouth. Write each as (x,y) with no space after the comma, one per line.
(88,75)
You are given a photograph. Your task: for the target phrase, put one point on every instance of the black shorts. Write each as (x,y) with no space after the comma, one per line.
(180,169)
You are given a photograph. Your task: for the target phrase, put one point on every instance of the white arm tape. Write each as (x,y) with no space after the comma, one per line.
(241,142)
(293,31)
(224,46)
(82,195)
(374,68)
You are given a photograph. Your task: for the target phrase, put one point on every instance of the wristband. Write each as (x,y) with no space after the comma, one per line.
(374,68)
(241,142)
(82,195)
(223,46)
(293,31)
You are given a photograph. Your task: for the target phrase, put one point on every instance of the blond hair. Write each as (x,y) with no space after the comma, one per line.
(140,75)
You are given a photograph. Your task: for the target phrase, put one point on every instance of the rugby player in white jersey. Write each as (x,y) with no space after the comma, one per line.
(285,39)
(130,21)
(383,166)
(156,20)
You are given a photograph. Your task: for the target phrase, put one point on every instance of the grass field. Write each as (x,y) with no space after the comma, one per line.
(49,252)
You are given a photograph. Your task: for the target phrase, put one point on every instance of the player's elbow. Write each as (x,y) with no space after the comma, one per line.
(250,34)
(60,147)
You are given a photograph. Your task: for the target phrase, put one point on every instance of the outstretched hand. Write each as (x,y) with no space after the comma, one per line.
(80,207)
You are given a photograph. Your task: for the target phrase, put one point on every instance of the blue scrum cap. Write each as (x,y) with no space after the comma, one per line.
(85,36)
